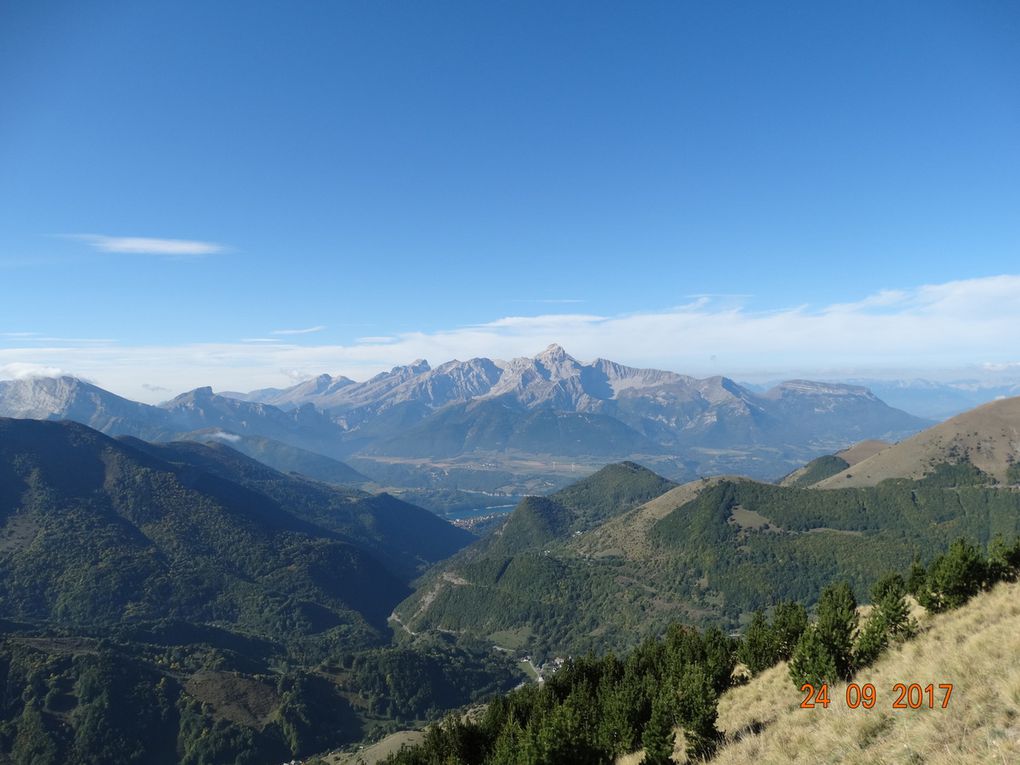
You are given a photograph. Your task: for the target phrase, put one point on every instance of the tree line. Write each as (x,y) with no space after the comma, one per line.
(595,709)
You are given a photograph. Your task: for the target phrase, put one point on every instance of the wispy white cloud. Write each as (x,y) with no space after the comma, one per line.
(1005,366)
(297,375)
(952,325)
(306,331)
(20,370)
(143,245)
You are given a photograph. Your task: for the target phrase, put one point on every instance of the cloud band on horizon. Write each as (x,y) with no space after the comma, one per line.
(961,323)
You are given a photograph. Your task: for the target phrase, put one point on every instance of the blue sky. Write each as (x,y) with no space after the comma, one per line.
(457,178)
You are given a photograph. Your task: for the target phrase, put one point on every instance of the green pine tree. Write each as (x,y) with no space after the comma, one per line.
(889,596)
(758,649)
(697,711)
(836,625)
(954,578)
(788,623)
(812,662)
(1003,560)
(917,579)
(508,748)
(658,737)
(872,641)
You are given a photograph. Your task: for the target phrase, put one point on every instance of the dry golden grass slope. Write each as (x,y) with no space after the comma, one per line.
(851,455)
(378,751)
(862,450)
(989,435)
(976,648)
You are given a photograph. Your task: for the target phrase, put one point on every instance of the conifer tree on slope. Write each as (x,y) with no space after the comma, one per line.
(825,652)
(658,737)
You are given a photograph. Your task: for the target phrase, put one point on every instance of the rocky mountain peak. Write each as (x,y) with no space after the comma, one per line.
(554,354)
(29,396)
(559,364)
(198,394)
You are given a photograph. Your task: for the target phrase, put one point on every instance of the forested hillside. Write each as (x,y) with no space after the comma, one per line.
(184,603)
(708,553)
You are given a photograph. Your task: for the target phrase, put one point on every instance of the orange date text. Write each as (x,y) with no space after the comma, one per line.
(865,696)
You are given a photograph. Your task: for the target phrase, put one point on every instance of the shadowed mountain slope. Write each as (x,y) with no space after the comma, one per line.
(406,537)
(99,531)
(283,457)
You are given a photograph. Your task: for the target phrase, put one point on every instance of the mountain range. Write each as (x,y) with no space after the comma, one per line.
(507,420)
(939,400)
(664,409)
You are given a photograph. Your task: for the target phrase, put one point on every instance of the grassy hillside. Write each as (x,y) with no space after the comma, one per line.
(830,464)
(862,450)
(682,696)
(988,437)
(974,648)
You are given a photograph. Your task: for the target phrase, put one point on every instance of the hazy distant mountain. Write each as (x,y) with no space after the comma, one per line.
(305,426)
(498,424)
(485,405)
(939,400)
(452,382)
(283,457)
(549,406)
(68,398)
